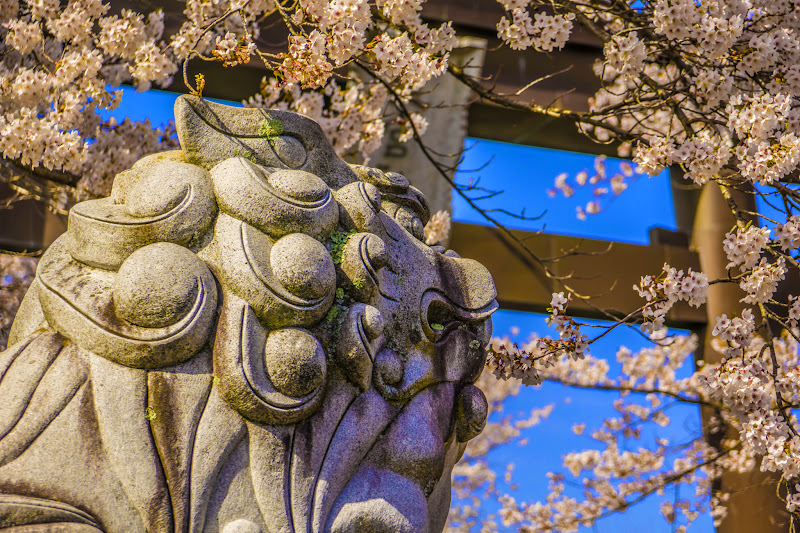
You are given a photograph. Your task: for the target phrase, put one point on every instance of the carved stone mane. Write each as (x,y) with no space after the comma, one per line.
(248,335)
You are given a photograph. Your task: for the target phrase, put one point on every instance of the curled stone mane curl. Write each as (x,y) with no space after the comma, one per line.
(247,335)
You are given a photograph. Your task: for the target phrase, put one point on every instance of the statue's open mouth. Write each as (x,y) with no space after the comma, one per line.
(395,480)
(402,482)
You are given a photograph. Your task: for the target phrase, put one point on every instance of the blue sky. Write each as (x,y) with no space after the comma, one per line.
(553,437)
(526,173)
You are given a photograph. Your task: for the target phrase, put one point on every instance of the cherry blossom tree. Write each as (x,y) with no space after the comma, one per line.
(711,87)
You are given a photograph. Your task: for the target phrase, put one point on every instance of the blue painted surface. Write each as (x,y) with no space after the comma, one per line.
(525,173)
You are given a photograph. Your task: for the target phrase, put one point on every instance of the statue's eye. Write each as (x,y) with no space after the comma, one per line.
(441,319)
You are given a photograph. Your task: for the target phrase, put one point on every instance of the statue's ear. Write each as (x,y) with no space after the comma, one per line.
(404,201)
(413,199)
(210,133)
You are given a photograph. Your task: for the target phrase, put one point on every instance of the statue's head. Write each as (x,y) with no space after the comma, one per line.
(276,313)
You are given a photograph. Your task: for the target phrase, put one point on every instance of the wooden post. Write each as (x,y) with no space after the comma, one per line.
(753,504)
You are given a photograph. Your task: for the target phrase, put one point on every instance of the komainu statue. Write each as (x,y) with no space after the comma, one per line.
(249,335)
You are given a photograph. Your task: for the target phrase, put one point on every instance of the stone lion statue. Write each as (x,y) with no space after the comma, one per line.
(248,335)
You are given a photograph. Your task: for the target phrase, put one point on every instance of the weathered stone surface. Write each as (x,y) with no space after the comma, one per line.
(247,336)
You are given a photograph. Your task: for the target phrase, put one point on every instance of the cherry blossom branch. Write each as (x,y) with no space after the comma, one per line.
(488,95)
(651,390)
(56,176)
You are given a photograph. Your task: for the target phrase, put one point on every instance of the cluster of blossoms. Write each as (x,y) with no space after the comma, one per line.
(233,50)
(702,156)
(762,282)
(306,63)
(788,234)
(748,387)
(664,290)
(736,332)
(437,230)
(207,20)
(720,81)
(769,148)
(744,248)
(408,55)
(625,54)
(346,22)
(508,361)
(409,68)
(603,183)
(543,31)
(794,311)
(571,341)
